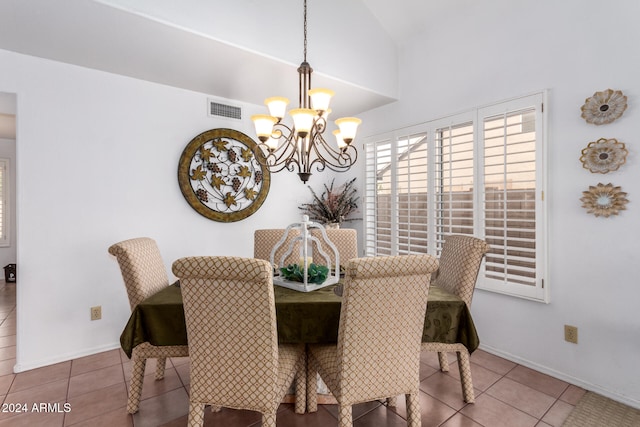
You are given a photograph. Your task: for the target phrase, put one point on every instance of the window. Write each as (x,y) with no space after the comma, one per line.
(478,173)
(4,202)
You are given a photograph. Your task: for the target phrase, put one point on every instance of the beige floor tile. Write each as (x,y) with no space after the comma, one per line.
(533,402)
(7,341)
(7,353)
(94,380)
(6,366)
(492,362)
(152,387)
(538,381)
(445,388)
(482,377)
(572,394)
(34,377)
(99,402)
(96,361)
(558,413)
(116,418)
(34,419)
(161,409)
(489,411)
(433,411)
(459,420)
(5,383)
(52,392)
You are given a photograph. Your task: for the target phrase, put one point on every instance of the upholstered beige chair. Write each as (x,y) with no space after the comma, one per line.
(460,261)
(144,274)
(236,362)
(264,241)
(381,322)
(345,241)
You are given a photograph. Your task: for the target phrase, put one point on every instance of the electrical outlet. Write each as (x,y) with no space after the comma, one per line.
(96,312)
(571,334)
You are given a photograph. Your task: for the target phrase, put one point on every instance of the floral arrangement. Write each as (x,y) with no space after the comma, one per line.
(332,206)
(315,273)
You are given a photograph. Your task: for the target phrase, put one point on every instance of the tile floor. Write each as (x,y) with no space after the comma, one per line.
(95,389)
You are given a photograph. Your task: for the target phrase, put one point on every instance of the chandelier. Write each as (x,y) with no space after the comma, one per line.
(302,146)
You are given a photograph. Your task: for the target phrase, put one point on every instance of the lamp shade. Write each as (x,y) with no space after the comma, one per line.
(302,120)
(348,127)
(264,125)
(320,98)
(277,106)
(341,144)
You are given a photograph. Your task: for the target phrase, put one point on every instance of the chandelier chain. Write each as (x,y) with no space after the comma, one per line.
(305,30)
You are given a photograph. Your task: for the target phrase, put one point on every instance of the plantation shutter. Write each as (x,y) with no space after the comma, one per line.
(411,188)
(378,203)
(512,199)
(454,181)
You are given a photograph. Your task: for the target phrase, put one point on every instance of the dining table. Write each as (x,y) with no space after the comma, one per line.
(302,317)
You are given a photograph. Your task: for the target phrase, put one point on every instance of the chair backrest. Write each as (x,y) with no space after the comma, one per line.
(345,241)
(264,241)
(381,323)
(460,261)
(142,268)
(229,309)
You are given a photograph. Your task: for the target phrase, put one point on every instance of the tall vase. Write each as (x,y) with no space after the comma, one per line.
(332,225)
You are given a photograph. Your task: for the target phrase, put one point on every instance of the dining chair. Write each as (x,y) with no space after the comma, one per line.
(460,261)
(236,362)
(265,239)
(344,239)
(144,274)
(381,321)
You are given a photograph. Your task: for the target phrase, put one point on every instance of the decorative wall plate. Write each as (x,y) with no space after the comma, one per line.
(604,107)
(220,176)
(604,155)
(604,200)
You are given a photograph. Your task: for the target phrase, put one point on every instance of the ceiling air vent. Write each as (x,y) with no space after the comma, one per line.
(223,110)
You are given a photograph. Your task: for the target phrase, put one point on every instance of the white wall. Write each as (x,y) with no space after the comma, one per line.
(97,158)
(480,52)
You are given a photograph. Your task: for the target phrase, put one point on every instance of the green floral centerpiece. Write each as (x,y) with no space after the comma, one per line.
(315,273)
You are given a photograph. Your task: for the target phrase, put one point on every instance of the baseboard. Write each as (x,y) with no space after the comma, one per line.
(611,394)
(21,367)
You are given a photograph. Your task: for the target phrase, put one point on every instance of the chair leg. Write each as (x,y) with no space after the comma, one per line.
(301,385)
(413,410)
(268,420)
(444,361)
(135,388)
(196,414)
(161,362)
(312,384)
(465,376)
(345,416)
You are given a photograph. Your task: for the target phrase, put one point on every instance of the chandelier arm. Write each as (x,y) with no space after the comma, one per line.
(335,159)
(280,158)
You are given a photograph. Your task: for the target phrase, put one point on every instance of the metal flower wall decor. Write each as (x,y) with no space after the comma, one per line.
(604,200)
(604,107)
(604,155)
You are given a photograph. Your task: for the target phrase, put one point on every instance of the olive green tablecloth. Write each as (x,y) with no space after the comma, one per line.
(303,317)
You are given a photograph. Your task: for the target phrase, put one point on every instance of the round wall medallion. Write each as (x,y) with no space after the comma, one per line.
(220,176)
(604,200)
(604,107)
(604,155)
